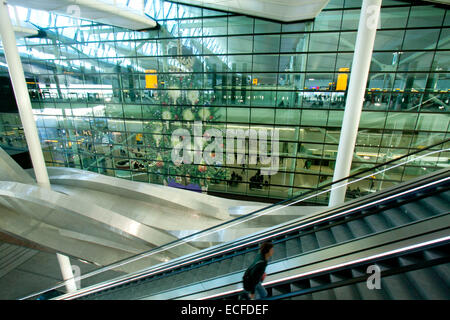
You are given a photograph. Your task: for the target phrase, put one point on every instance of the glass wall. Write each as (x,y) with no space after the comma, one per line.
(108,99)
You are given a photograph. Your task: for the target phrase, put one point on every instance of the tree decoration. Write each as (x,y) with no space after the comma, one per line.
(179,109)
(166,115)
(204,114)
(188,115)
(192,96)
(159,162)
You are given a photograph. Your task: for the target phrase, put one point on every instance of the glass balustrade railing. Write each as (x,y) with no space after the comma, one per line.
(187,247)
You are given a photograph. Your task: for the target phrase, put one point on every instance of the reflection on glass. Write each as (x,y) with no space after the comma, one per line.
(109,85)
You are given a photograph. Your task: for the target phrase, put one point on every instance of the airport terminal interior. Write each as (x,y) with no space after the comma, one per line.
(93,205)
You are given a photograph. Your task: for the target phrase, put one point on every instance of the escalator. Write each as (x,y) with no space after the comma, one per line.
(422,273)
(403,230)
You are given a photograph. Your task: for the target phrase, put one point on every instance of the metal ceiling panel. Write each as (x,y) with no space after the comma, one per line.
(94,10)
(280,10)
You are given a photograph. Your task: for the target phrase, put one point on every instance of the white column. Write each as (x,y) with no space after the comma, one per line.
(19,84)
(365,39)
(66,271)
(21,93)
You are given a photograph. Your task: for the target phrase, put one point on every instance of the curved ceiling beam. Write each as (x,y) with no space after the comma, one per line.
(93,10)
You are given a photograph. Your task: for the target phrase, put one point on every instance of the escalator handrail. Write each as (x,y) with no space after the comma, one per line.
(182,240)
(339,267)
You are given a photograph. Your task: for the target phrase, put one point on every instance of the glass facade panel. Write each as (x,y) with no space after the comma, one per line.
(350,19)
(329,20)
(122,93)
(262,26)
(444,41)
(212,27)
(323,42)
(425,16)
(420,39)
(388,40)
(240,44)
(266,43)
(415,61)
(294,42)
(321,61)
(347,41)
(240,25)
(393,17)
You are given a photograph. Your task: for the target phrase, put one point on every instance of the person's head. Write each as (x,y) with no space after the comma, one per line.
(266,249)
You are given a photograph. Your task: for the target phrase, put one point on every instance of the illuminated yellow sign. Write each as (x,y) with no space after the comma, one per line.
(342,79)
(151,80)
(255,81)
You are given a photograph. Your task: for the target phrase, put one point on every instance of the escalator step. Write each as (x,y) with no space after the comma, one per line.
(445,196)
(134,292)
(248,259)
(178,279)
(197,274)
(309,242)
(337,278)
(428,284)
(279,251)
(407,261)
(347,293)
(224,267)
(359,228)
(211,270)
(436,205)
(157,287)
(399,288)
(358,272)
(367,294)
(443,270)
(325,238)
(435,253)
(416,211)
(307,296)
(281,289)
(319,281)
(186,278)
(299,285)
(377,222)
(342,233)
(396,217)
(324,295)
(161,282)
(293,247)
(237,263)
